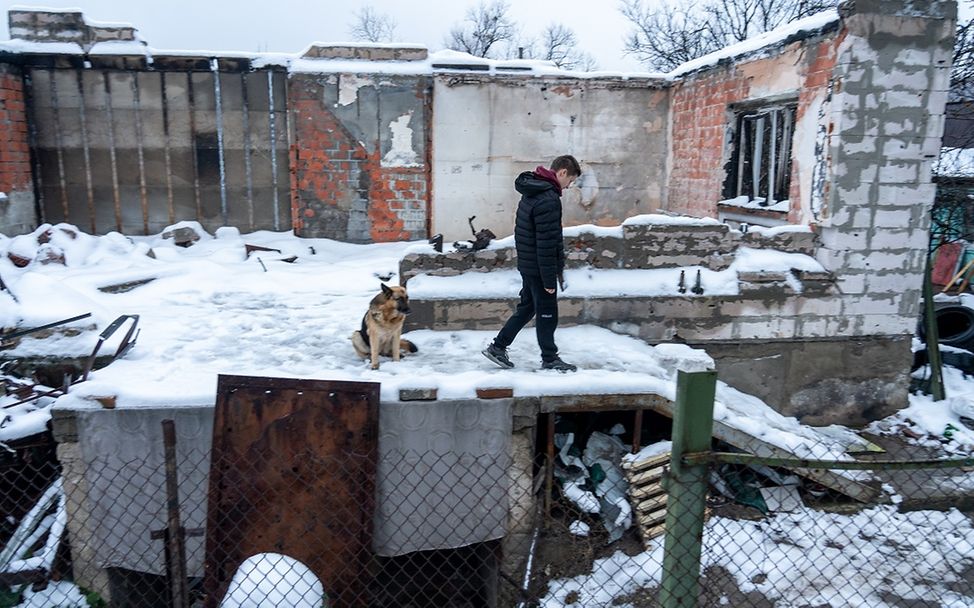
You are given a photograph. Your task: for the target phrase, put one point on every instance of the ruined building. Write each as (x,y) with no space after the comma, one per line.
(830,124)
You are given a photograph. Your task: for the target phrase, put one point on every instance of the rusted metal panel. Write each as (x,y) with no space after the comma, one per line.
(138,150)
(293,472)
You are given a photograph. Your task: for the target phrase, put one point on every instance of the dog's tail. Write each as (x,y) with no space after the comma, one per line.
(407,346)
(360,342)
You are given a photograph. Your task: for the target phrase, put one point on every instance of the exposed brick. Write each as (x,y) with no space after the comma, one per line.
(332,168)
(495,393)
(699,114)
(15,172)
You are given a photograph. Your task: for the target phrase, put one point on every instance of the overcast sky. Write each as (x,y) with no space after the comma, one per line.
(291,25)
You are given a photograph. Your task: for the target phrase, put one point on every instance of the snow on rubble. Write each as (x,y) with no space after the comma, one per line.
(210,308)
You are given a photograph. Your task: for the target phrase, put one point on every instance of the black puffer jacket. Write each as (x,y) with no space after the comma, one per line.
(537,229)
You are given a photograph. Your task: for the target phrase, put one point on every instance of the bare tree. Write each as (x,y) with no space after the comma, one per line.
(560,46)
(557,42)
(675,32)
(736,20)
(587,63)
(668,35)
(962,69)
(952,218)
(371,26)
(483,30)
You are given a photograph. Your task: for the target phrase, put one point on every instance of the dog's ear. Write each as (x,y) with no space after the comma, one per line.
(386,290)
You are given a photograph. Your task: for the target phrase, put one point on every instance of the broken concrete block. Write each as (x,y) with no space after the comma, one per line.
(184,236)
(49,254)
(762,276)
(417,394)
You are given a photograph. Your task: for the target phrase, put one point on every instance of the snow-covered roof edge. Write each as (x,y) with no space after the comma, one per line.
(445,60)
(808,25)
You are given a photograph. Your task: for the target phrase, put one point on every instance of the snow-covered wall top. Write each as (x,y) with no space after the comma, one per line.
(52,31)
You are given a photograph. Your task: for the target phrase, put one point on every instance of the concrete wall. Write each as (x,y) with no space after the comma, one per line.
(870,117)
(114,475)
(804,352)
(639,246)
(885,121)
(359,156)
(487,129)
(64,26)
(17,207)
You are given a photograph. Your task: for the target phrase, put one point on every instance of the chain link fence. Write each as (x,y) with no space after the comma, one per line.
(593,526)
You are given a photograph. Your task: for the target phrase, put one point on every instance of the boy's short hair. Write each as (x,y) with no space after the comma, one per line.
(568,163)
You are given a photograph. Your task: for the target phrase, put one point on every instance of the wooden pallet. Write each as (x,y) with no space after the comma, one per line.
(646,494)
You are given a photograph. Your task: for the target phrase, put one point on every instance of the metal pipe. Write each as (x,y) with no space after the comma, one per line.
(166,154)
(175,543)
(33,397)
(273,125)
(58,145)
(138,143)
(116,197)
(288,139)
(214,67)
(742,124)
(756,157)
(89,185)
(686,489)
(247,164)
(696,458)
(192,146)
(772,160)
(32,143)
(549,473)
(24,332)
(937,388)
(526,583)
(637,432)
(785,154)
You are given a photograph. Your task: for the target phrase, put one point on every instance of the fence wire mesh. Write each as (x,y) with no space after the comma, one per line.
(461,529)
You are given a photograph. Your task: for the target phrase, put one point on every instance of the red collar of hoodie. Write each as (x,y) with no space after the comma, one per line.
(549,176)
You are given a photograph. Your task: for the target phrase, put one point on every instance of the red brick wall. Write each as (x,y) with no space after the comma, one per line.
(15,169)
(701,122)
(397,210)
(339,188)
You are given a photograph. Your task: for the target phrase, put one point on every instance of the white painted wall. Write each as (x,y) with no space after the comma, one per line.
(485,133)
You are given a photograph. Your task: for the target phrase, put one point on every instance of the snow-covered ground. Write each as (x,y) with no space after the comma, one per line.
(877,558)
(211,309)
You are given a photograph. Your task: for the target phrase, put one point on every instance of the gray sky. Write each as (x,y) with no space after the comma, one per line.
(291,25)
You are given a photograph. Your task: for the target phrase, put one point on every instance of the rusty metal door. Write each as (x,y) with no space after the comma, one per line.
(293,472)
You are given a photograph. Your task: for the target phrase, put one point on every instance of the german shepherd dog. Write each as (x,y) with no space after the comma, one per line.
(382,326)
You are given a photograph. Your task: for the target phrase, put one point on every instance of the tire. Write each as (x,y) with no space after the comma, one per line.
(955,326)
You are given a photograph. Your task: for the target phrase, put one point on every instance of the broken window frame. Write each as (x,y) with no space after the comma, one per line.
(776,122)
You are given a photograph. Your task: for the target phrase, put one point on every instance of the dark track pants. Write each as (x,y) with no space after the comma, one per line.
(534,301)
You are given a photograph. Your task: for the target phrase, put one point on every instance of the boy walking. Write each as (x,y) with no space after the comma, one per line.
(540,260)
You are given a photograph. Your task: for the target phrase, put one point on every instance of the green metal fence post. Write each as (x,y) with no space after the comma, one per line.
(693,422)
(932,339)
